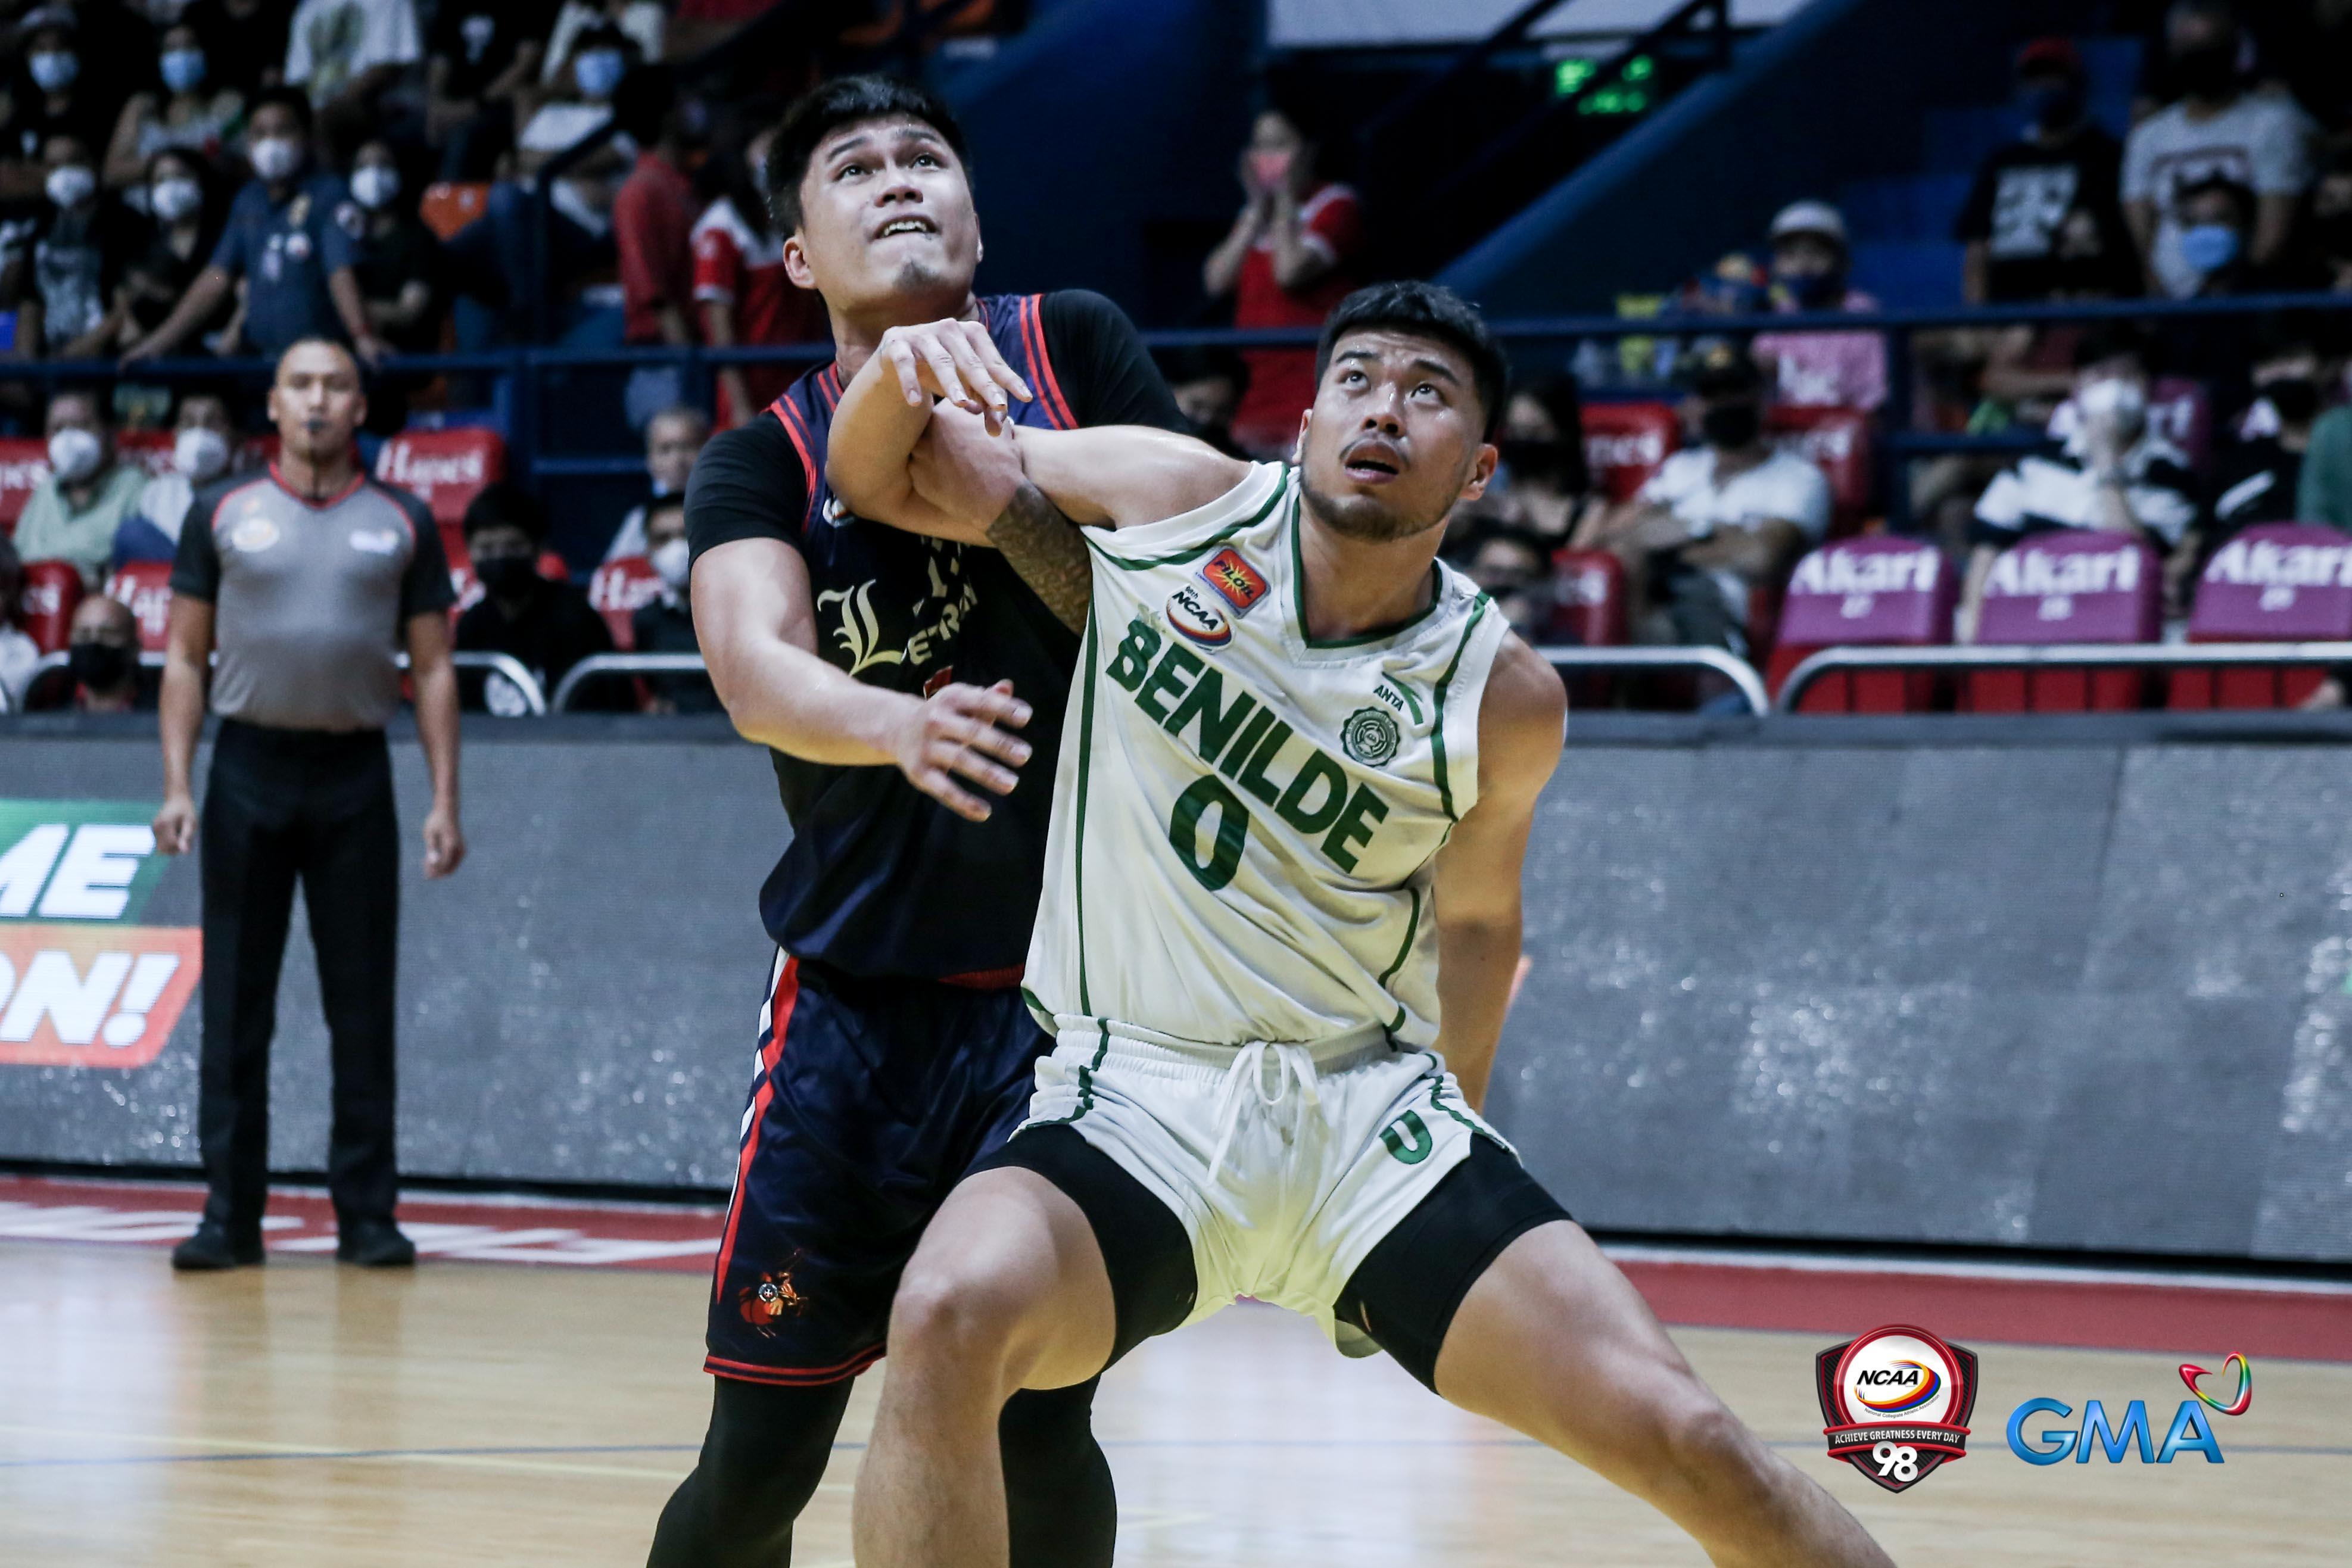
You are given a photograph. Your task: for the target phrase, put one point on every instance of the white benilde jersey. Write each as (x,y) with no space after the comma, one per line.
(1245,818)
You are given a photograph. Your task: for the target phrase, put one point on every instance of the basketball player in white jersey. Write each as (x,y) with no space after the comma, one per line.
(1282,896)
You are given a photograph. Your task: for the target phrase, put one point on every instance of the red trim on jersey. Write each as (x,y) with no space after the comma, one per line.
(791,1376)
(830,393)
(278,479)
(812,476)
(780,1018)
(986,979)
(1033,318)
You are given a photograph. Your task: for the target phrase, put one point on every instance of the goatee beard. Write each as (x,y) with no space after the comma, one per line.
(1361,517)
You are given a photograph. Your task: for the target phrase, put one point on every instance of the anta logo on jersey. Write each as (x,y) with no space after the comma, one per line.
(1191,613)
(1235,580)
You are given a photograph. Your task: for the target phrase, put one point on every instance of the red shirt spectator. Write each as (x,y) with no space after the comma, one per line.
(653,222)
(1285,264)
(743,295)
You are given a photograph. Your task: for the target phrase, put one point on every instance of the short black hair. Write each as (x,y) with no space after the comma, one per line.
(1426,310)
(825,108)
(2116,340)
(1722,369)
(292,98)
(2241,195)
(504,501)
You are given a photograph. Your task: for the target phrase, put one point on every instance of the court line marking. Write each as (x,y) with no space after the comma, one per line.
(2040,1274)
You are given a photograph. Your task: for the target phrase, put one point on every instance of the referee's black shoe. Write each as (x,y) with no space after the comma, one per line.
(210,1249)
(375,1244)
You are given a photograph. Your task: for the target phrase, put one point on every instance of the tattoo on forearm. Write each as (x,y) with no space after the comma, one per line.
(1045,548)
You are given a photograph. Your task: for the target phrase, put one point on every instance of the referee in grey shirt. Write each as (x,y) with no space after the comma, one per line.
(307,582)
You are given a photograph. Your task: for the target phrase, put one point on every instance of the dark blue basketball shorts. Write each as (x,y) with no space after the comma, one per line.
(872,1098)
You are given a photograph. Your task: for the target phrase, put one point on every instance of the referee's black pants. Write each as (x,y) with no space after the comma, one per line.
(282,804)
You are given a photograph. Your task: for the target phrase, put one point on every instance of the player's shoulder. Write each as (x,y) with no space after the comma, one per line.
(411,505)
(758,448)
(1522,719)
(208,501)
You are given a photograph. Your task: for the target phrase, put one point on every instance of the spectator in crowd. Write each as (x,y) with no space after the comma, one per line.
(746,298)
(1716,519)
(673,439)
(483,57)
(665,624)
(2115,473)
(193,112)
(396,262)
(2324,488)
(1208,385)
(345,53)
(19,652)
(55,94)
(2065,171)
(290,237)
(581,101)
(182,228)
(1847,369)
(63,279)
(699,25)
(2328,230)
(2217,216)
(244,42)
(71,515)
(653,227)
(1513,564)
(1547,487)
(2256,475)
(203,443)
(1285,263)
(2261,140)
(643,23)
(102,655)
(546,626)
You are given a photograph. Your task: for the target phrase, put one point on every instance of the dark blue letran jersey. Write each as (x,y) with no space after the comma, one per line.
(881,879)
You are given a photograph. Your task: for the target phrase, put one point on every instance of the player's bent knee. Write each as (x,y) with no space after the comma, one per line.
(964,1323)
(1704,1452)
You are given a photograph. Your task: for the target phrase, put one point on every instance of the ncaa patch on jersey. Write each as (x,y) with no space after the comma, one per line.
(1370,736)
(1234,579)
(1190,611)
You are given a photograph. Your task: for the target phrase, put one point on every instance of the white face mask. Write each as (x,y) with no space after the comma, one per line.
(672,560)
(277,157)
(72,185)
(2123,401)
(174,199)
(373,186)
(199,454)
(74,455)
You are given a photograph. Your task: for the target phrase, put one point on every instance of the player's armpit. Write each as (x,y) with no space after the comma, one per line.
(1126,475)
(1044,548)
(1477,894)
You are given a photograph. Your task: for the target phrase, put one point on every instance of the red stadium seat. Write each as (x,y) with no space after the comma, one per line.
(1836,441)
(2276,582)
(1865,593)
(618,590)
(2074,586)
(1625,442)
(1588,594)
(146,587)
(151,449)
(446,469)
(52,590)
(449,205)
(24,464)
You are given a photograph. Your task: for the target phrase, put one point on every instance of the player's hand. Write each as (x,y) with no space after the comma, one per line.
(964,732)
(176,825)
(965,470)
(444,842)
(956,360)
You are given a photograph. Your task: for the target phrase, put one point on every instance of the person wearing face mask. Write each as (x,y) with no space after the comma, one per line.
(19,652)
(643,23)
(2255,476)
(674,438)
(545,623)
(291,236)
(2261,140)
(183,227)
(1847,369)
(397,263)
(73,514)
(2115,473)
(102,656)
(203,443)
(2064,168)
(1716,519)
(190,111)
(665,624)
(1548,485)
(57,92)
(63,281)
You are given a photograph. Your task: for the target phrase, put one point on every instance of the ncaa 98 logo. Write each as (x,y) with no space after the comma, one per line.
(1896,1401)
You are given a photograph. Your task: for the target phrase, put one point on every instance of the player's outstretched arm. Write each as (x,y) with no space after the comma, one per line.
(1477,890)
(887,407)
(1125,476)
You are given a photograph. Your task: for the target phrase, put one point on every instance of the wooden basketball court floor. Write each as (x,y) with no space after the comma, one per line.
(476,1413)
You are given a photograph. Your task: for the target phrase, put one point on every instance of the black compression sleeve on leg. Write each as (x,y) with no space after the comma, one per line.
(1057,1487)
(761,1460)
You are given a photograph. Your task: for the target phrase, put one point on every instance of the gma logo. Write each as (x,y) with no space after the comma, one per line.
(2190,1433)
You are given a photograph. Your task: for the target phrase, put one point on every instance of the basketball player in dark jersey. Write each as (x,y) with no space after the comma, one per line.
(901,684)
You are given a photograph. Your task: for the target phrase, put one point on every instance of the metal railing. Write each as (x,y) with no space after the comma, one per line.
(505,664)
(1738,672)
(2058,656)
(613,666)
